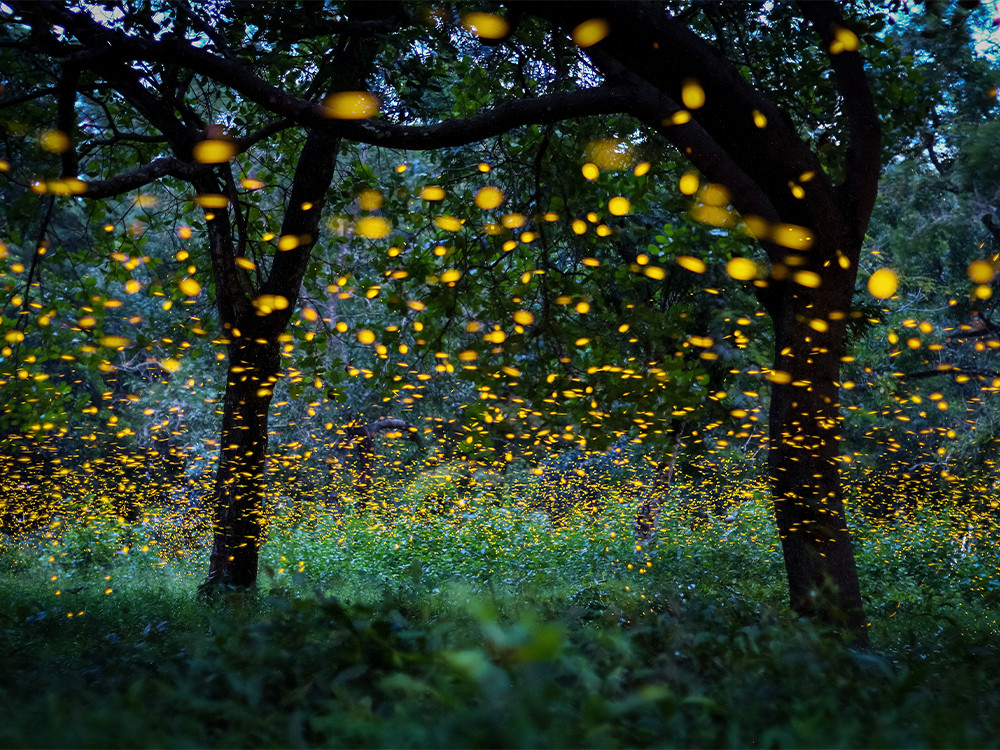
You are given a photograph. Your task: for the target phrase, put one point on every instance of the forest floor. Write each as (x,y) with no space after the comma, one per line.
(492,629)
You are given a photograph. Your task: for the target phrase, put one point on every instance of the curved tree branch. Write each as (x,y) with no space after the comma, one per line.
(663,51)
(458,132)
(36,257)
(108,45)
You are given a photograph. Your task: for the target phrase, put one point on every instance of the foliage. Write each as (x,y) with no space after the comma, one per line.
(504,642)
(562,330)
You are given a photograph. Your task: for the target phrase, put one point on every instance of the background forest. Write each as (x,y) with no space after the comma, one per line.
(517,374)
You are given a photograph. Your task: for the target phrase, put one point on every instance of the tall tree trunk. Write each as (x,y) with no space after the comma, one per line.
(739,138)
(804,429)
(254,350)
(240,521)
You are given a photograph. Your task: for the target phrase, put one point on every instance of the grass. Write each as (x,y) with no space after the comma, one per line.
(489,629)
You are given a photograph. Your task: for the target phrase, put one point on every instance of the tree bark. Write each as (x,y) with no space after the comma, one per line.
(654,53)
(804,430)
(254,349)
(240,521)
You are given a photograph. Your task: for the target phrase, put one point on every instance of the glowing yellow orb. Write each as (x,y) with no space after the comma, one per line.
(883,283)
(619,206)
(488,197)
(590,32)
(741,269)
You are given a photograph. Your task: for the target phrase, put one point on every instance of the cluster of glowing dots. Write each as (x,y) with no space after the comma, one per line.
(882,284)
(981,273)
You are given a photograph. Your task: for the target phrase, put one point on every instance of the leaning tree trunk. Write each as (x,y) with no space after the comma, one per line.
(738,137)
(238,497)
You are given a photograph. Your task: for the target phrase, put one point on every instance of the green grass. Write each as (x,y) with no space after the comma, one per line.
(488,628)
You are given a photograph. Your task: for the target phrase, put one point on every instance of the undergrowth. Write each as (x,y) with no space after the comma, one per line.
(492,629)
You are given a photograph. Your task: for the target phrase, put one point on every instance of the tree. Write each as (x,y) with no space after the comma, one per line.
(199,92)
(812,231)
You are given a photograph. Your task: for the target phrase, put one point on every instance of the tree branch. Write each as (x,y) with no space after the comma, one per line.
(36,257)
(373,428)
(271,128)
(668,55)
(313,175)
(155,110)
(233,288)
(203,26)
(242,234)
(697,145)
(546,109)
(144,175)
(951,370)
(30,96)
(450,133)
(864,160)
